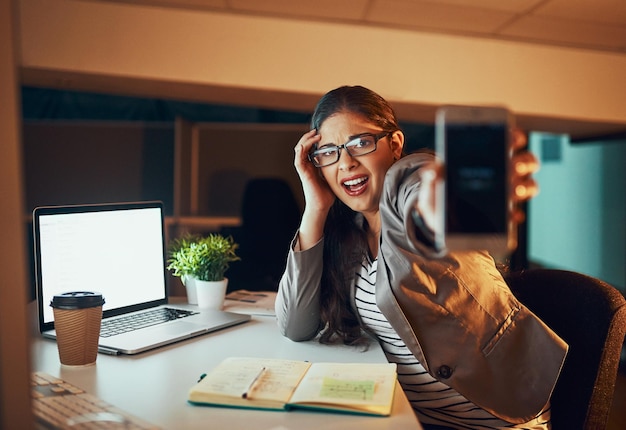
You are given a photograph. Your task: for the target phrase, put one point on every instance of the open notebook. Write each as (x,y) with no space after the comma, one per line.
(117,250)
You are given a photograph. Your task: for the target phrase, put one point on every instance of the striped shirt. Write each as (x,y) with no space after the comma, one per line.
(432,401)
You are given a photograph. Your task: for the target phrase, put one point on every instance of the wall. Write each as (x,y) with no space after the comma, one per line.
(261,61)
(231,154)
(15,410)
(78,162)
(578,221)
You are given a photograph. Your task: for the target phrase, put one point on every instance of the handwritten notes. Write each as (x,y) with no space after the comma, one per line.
(346,389)
(234,376)
(366,388)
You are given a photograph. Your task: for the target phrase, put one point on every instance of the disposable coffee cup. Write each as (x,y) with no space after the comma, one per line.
(77,319)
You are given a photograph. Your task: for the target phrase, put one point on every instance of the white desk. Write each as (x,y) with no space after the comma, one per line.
(154,385)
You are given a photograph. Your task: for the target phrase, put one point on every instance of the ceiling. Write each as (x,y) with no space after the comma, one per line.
(587,24)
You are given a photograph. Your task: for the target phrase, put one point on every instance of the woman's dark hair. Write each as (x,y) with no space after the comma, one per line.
(359,100)
(345,239)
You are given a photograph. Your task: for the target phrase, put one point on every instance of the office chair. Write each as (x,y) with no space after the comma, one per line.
(590,316)
(270,216)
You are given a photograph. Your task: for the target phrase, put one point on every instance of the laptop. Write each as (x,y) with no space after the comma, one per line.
(117,250)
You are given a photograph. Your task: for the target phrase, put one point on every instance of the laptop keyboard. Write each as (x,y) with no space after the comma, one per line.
(112,327)
(58,404)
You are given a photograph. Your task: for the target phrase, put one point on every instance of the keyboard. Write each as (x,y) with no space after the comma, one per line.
(58,404)
(112,326)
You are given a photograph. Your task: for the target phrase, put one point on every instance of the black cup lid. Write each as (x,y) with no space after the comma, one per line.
(77,300)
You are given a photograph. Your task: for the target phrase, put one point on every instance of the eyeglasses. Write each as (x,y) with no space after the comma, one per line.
(362,144)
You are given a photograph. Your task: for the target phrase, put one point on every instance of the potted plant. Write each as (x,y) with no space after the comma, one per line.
(201,262)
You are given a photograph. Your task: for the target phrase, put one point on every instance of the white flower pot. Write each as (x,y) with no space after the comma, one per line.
(190,285)
(211,293)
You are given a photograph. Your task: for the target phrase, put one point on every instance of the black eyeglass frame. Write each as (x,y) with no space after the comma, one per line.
(338,148)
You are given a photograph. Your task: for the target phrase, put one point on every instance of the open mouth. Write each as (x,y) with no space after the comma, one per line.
(355,185)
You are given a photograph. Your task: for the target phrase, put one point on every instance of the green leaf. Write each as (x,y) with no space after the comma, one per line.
(205,258)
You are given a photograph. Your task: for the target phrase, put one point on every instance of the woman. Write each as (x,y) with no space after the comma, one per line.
(469,354)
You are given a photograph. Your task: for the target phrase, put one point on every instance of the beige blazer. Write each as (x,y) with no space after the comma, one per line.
(454,312)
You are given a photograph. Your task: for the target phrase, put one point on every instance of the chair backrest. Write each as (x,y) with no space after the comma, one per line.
(590,315)
(270,217)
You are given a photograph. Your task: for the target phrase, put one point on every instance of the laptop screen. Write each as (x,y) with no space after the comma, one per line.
(116,250)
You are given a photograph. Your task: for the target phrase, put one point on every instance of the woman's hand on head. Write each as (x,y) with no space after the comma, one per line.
(317,194)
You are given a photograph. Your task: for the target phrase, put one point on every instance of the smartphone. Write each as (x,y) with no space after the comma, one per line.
(474,203)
